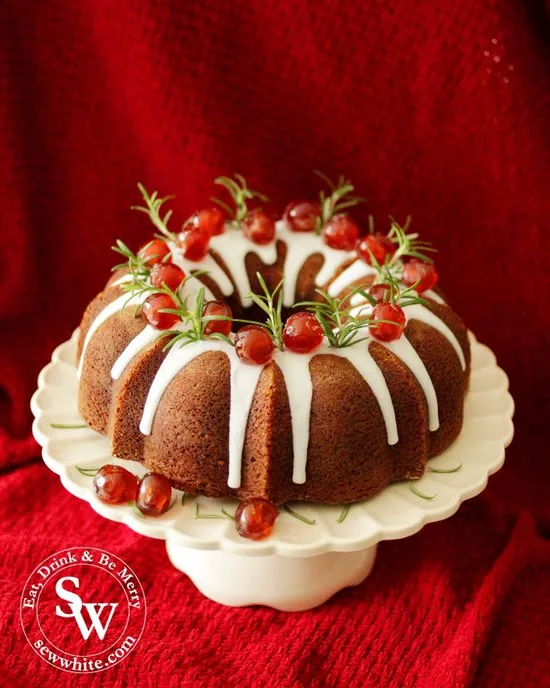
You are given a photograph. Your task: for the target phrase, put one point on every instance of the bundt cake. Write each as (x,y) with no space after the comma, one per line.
(288,360)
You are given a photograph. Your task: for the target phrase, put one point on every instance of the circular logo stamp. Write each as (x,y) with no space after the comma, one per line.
(83,610)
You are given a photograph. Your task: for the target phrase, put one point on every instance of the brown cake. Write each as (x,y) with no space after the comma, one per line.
(295,410)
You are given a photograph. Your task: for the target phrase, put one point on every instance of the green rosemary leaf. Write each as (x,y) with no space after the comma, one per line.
(445,470)
(68,426)
(228,515)
(88,472)
(344,514)
(418,493)
(221,337)
(300,517)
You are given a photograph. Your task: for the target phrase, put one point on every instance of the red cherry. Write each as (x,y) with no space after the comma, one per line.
(381,292)
(153,495)
(168,274)
(254,345)
(212,220)
(377,245)
(259,227)
(221,326)
(194,242)
(302,333)
(152,311)
(154,252)
(302,216)
(115,485)
(255,518)
(417,271)
(341,233)
(387,331)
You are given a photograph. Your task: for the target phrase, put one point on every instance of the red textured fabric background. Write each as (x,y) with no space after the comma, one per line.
(438,109)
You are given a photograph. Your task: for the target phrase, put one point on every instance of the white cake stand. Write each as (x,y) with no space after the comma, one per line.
(300,565)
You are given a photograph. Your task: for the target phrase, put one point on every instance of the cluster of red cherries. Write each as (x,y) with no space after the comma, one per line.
(302,332)
(152,496)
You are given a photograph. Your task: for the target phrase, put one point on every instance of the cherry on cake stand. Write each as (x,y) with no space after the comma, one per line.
(300,565)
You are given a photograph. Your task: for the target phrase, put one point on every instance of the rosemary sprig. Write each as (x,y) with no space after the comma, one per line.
(399,294)
(300,517)
(337,200)
(344,514)
(340,326)
(418,493)
(68,426)
(152,208)
(194,320)
(240,194)
(88,472)
(271,304)
(408,244)
(445,470)
(137,267)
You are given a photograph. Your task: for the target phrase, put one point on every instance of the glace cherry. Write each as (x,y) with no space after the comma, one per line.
(153,495)
(259,227)
(419,271)
(341,233)
(220,326)
(381,292)
(194,242)
(302,333)
(254,345)
(212,220)
(115,485)
(152,307)
(255,518)
(154,252)
(168,274)
(302,216)
(375,245)
(387,331)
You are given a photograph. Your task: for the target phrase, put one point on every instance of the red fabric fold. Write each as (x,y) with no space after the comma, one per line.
(440,110)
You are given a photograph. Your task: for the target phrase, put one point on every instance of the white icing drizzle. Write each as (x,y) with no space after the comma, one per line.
(295,369)
(207,264)
(110,309)
(361,359)
(434,296)
(243,381)
(404,350)
(352,273)
(419,312)
(299,247)
(145,336)
(143,339)
(232,246)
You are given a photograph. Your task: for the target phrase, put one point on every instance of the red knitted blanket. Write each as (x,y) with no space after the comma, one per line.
(440,110)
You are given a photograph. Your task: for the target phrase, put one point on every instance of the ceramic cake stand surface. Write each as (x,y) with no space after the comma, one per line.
(300,565)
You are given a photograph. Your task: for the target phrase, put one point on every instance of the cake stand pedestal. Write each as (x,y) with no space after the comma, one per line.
(302,564)
(292,584)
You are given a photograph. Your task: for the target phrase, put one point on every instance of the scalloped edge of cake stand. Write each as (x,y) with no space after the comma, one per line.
(299,566)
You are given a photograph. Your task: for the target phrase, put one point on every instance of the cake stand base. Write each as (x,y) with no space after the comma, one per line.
(291,584)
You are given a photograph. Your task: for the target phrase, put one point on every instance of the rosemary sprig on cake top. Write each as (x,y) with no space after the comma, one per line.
(257,225)
(152,208)
(401,252)
(338,322)
(203,320)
